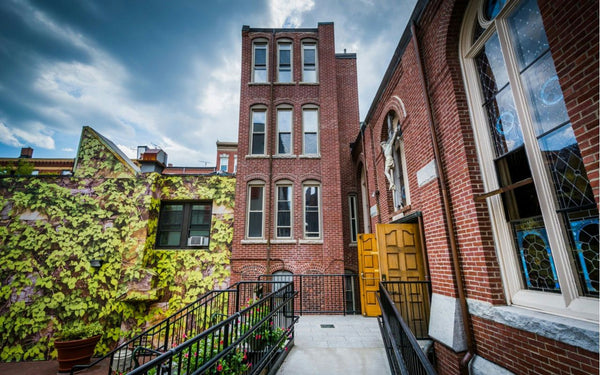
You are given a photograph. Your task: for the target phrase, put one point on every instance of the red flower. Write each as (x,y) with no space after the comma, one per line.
(219,367)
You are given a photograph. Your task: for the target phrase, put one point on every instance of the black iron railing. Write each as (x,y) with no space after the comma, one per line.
(207,310)
(404,354)
(413,301)
(247,342)
(323,293)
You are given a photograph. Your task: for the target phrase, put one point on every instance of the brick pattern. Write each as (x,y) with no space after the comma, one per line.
(336,96)
(528,353)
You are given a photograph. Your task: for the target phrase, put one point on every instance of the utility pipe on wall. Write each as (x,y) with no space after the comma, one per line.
(447,213)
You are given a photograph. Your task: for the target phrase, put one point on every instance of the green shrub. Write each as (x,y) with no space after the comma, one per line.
(78,330)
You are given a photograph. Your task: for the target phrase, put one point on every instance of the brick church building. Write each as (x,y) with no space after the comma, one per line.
(482,140)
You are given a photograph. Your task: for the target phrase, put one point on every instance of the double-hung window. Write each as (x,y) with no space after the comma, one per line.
(258,129)
(184,224)
(224,162)
(284,211)
(309,62)
(259,66)
(541,203)
(310,129)
(312,210)
(256,209)
(284,69)
(284,131)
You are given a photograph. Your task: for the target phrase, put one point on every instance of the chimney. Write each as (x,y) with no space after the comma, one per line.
(26,153)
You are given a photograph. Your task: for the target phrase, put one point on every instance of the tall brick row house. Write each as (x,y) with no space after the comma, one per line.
(298,116)
(496,159)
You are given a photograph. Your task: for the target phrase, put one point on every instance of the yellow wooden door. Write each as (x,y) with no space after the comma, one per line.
(401,260)
(368,266)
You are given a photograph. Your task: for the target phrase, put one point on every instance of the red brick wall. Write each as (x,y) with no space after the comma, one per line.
(528,353)
(338,113)
(573,37)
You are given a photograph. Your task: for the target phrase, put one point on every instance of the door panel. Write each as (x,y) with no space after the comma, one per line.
(368,267)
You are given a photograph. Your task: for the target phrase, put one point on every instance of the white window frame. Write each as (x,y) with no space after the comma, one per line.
(310,44)
(251,185)
(252,132)
(291,132)
(353,219)
(288,44)
(235,162)
(286,184)
(259,44)
(317,133)
(306,185)
(223,162)
(568,302)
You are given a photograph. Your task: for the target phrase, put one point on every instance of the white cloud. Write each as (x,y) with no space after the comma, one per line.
(7,137)
(288,13)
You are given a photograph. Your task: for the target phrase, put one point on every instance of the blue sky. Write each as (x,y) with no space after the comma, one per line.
(164,73)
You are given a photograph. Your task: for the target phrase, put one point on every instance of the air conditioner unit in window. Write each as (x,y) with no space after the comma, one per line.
(197,241)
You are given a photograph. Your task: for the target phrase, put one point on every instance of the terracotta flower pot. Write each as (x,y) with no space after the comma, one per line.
(75,352)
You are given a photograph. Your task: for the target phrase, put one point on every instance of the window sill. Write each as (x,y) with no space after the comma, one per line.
(310,156)
(181,248)
(284,156)
(310,242)
(580,333)
(253,242)
(308,83)
(283,242)
(285,83)
(256,156)
(353,244)
(259,83)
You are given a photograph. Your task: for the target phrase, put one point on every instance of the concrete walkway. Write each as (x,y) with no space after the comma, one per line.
(353,346)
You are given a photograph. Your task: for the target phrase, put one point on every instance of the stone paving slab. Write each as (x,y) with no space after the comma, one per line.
(353,346)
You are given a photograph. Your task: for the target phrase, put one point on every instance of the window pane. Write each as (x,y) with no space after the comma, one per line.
(584,230)
(309,76)
(528,33)
(283,219)
(311,144)
(505,127)
(310,120)
(545,95)
(284,143)
(260,75)
(537,263)
(260,55)
(284,120)
(309,56)
(311,211)
(285,75)
(169,238)
(258,144)
(201,214)
(256,198)
(565,163)
(284,56)
(492,70)
(493,7)
(258,121)
(255,224)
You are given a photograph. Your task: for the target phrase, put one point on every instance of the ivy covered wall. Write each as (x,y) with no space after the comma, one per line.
(52,227)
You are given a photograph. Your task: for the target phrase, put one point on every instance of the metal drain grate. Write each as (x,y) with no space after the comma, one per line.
(327,326)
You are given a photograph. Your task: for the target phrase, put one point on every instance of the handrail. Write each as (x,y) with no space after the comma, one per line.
(222,344)
(406,355)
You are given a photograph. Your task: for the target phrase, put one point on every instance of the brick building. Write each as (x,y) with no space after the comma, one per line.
(298,115)
(496,160)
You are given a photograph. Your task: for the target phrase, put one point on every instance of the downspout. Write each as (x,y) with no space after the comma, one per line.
(447,215)
(271,137)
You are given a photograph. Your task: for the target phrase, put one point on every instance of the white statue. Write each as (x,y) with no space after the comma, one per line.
(388,152)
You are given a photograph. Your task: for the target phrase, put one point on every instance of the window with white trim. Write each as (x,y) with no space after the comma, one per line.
(234,163)
(540,200)
(353,213)
(283,211)
(309,62)
(256,208)
(259,61)
(312,210)
(284,131)
(184,225)
(257,133)
(310,130)
(284,61)
(223,162)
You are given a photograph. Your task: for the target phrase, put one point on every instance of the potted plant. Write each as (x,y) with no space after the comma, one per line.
(75,344)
